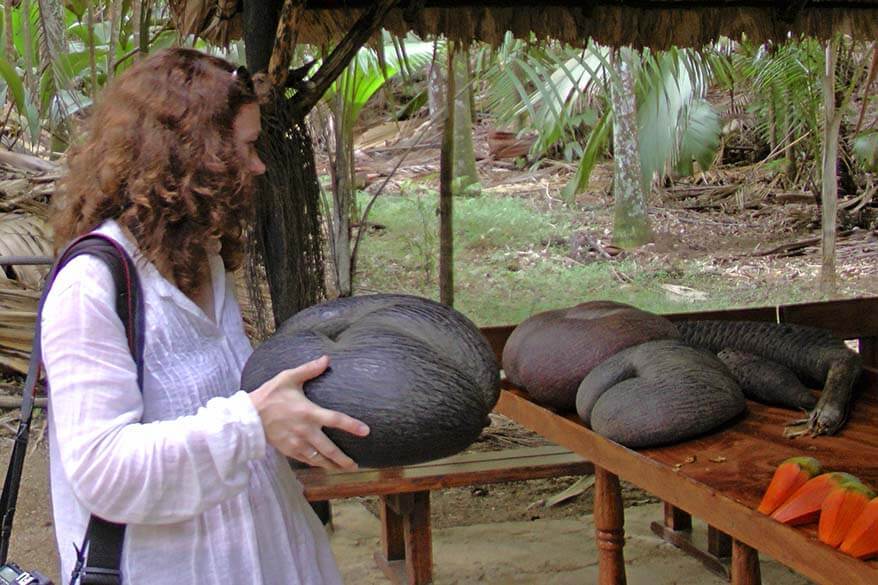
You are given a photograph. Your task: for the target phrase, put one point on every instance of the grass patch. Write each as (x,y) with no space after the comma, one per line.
(511,262)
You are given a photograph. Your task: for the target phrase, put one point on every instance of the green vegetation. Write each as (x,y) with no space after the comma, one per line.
(733,104)
(512,261)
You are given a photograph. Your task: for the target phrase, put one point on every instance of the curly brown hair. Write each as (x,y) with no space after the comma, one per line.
(159,156)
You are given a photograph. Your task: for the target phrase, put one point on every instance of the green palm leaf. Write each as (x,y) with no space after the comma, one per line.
(865,149)
(21,99)
(594,149)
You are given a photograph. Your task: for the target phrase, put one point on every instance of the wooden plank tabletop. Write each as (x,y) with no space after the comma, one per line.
(720,477)
(459,470)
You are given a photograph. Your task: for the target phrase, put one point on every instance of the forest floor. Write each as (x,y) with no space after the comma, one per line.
(731,237)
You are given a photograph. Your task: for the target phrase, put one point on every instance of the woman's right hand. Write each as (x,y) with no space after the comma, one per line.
(294,425)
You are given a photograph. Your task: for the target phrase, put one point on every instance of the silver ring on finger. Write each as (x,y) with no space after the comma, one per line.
(314,454)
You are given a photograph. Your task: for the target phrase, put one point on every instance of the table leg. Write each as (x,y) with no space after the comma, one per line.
(676,519)
(609,520)
(406,557)
(869,351)
(719,544)
(745,565)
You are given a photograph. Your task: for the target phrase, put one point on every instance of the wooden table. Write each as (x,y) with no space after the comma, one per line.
(723,485)
(720,477)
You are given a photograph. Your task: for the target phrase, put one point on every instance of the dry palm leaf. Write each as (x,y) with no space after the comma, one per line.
(20,235)
(578,488)
(214,20)
(18,313)
(24,235)
(27,194)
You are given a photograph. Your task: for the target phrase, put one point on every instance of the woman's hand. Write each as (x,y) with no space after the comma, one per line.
(294,425)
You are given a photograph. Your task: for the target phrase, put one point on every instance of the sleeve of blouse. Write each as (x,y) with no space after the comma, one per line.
(119,468)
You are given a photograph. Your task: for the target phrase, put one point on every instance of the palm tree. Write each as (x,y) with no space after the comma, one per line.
(568,96)
(631,221)
(56,56)
(363,78)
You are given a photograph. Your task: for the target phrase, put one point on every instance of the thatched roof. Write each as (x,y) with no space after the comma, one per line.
(657,24)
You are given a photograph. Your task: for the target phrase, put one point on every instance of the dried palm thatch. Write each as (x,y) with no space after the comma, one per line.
(24,235)
(18,313)
(26,183)
(21,234)
(657,24)
(216,20)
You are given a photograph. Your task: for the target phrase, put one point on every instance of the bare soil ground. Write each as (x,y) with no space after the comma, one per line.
(512,501)
(493,535)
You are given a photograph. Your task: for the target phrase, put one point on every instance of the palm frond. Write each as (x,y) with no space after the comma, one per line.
(865,150)
(676,125)
(551,86)
(594,148)
(788,94)
(24,235)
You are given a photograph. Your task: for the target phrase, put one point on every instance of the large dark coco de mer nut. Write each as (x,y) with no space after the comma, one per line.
(550,353)
(419,373)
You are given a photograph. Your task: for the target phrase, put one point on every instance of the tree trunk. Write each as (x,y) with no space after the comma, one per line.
(115,29)
(136,31)
(260,17)
(435,87)
(446,195)
(829,195)
(144,22)
(631,222)
(342,199)
(287,197)
(52,28)
(92,59)
(52,46)
(7,27)
(465,176)
(29,78)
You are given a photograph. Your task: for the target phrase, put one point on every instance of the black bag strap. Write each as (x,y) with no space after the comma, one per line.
(104,539)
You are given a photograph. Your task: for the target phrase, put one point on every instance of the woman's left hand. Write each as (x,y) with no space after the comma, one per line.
(294,425)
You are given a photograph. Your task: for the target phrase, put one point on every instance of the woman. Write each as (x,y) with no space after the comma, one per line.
(193,466)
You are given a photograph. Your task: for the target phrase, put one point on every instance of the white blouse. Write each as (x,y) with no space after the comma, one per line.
(184,464)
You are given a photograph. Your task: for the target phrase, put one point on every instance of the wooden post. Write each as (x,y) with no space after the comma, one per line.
(609,521)
(676,519)
(719,544)
(418,545)
(829,194)
(745,565)
(407,554)
(446,196)
(285,38)
(392,541)
(869,351)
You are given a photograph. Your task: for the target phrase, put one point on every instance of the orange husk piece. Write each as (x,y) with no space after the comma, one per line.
(840,509)
(789,476)
(861,541)
(803,507)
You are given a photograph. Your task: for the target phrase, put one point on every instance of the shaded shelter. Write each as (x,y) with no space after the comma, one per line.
(271,28)
(288,226)
(656,24)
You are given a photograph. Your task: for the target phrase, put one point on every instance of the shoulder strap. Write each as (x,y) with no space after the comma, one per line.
(106,537)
